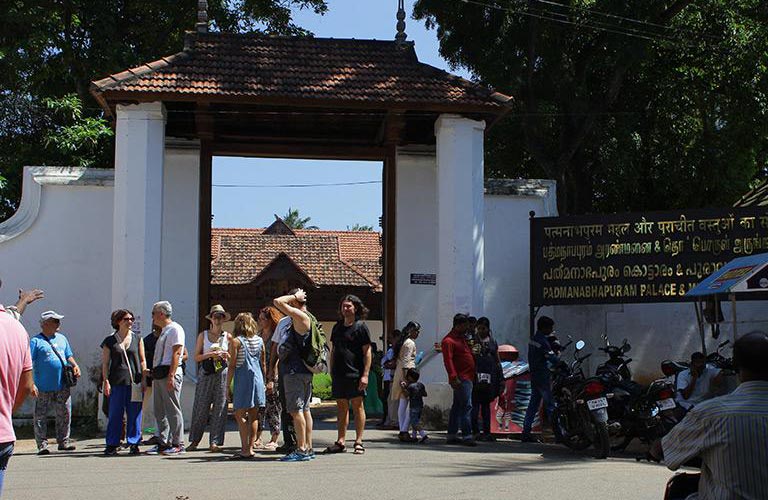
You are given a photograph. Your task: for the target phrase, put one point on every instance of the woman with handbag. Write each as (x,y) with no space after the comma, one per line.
(122,368)
(211,390)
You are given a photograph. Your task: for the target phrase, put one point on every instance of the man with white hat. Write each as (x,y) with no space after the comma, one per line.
(51,352)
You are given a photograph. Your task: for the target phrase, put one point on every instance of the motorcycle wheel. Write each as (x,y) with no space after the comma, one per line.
(620,443)
(602,440)
(576,443)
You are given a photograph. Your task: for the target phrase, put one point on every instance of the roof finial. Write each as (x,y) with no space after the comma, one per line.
(202,16)
(400,36)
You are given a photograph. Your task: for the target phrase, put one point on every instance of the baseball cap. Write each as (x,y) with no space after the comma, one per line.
(50,315)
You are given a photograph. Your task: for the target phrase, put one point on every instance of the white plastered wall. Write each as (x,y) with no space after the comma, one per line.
(60,240)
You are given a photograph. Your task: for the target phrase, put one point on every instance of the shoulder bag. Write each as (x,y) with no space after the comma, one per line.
(137,393)
(67,371)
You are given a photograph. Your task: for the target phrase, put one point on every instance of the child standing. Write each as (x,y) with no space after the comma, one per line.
(416,394)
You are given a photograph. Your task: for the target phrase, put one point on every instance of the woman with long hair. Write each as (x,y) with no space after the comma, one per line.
(405,351)
(122,368)
(350,367)
(248,394)
(211,356)
(267,321)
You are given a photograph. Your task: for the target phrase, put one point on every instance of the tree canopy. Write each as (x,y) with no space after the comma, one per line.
(51,50)
(627,105)
(293,220)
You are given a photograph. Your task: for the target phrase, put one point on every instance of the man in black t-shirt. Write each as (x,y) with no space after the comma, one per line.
(350,365)
(147,410)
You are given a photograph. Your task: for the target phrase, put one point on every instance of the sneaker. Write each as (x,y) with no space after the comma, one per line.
(67,446)
(311,454)
(110,451)
(296,456)
(134,450)
(44,451)
(423,439)
(173,450)
(156,450)
(468,442)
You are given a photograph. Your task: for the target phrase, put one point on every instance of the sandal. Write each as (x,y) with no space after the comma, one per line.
(359,449)
(238,456)
(335,448)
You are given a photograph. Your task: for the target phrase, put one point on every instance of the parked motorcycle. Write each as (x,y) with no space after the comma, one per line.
(581,416)
(634,411)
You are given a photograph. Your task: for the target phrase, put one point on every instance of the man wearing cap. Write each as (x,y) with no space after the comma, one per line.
(48,349)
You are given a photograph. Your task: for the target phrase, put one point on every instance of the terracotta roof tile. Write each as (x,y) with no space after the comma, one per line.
(260,66)
(347,258)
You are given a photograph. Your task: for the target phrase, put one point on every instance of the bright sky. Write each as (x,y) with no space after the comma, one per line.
(330,207)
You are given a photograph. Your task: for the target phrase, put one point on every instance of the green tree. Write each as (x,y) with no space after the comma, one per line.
(627,105)
(293,220)
(360,227)
(51,50)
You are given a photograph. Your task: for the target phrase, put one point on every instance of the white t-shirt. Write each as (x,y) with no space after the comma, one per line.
(701,391)
(172,335)
(281,330)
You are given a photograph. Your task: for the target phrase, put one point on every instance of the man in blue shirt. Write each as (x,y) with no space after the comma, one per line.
(50,389)
(540,355)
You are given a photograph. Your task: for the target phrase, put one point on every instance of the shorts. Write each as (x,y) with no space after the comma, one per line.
(298,391)
(346,388)
(414,417)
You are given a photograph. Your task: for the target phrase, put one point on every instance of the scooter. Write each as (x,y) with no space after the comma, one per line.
(581,416)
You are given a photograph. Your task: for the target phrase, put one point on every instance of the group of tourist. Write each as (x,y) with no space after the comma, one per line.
(472,363)
(262,368)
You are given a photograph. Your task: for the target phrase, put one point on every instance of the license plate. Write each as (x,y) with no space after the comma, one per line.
(667,404)
(596,404)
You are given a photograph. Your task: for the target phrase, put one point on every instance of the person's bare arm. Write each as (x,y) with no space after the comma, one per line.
(199,356)
(105,370)
(367,359)
(233,346)
(75,366)
(26,387)
(263,364)
(26,298)
(175,361)
(273,361)
(301,322)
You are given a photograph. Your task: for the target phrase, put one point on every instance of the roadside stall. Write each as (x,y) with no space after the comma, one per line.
(741,276)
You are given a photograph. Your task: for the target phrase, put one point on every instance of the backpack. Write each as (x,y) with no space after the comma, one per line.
(313,348)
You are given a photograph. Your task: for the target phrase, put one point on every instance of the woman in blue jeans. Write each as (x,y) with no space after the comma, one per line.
(122,366)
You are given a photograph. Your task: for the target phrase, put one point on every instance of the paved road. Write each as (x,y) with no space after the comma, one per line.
(389,470)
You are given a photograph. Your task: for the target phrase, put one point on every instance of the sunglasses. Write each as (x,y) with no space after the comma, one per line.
(127,318)
(219,315)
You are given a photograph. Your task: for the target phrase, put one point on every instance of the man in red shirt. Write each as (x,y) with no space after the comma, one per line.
(460,366)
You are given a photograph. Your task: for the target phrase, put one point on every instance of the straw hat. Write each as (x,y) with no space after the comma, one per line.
(217,308)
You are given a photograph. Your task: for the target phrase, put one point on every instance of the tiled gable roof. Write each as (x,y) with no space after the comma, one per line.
(258,66)
(345,258)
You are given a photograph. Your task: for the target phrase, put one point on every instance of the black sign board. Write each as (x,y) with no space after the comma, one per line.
(638,257)
(423,279)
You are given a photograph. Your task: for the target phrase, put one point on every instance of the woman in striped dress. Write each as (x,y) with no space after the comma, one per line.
(248,394)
